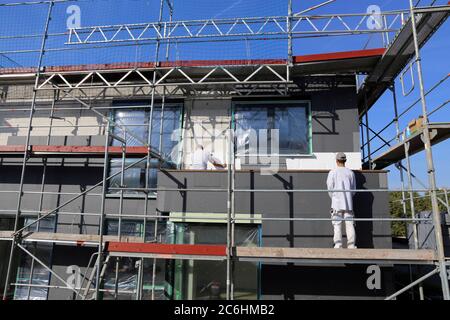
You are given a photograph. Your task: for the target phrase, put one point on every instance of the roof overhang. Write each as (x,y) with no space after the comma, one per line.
(334,63)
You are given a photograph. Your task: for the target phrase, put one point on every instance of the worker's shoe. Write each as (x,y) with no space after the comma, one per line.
(352,246)
(338,246)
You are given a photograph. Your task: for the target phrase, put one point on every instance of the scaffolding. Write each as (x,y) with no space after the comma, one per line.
(162,79)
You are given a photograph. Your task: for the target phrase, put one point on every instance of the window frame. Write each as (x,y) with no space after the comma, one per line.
(146,107)
(256,103)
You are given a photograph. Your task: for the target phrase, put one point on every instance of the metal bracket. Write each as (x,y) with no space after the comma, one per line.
(433,134)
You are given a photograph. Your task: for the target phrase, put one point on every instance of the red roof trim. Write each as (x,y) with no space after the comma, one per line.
(169,249)
(340,55)
(205,63)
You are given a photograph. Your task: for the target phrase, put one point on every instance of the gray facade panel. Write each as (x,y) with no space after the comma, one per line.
(335,121)
(282,204)
(294,281)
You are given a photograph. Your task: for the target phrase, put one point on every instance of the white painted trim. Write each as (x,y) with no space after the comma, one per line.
(316,161)
(324,160)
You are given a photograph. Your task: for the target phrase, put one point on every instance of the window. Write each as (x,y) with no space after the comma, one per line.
(32,273)
(132,228)
(137,122)
(292,119)
(206,280)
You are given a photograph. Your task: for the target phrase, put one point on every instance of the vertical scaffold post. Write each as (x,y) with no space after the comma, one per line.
(41,195)
(290,41)
(121,200)
(229,213)
(413,209)
(366,115)
(27,144)
(233,198)
(102,215)
(401,170)
(430,163)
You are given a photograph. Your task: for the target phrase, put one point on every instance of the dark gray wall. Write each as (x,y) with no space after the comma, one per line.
(71,178)
(335,122)
(294,281)
(283,204)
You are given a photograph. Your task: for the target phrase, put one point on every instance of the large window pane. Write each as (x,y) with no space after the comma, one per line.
(290,119)
(137,121)
(249,120)
(292,123)
(134,177)
(171,134)
(167,142)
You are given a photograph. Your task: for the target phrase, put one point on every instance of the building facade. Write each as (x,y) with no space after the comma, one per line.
(311,127)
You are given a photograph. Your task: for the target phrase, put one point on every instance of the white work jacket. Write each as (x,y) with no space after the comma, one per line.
(341,179)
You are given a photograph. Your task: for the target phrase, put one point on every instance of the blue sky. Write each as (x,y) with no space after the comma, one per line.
(30,20)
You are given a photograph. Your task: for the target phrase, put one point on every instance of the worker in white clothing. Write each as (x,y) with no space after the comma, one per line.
(201,158)
(343,179)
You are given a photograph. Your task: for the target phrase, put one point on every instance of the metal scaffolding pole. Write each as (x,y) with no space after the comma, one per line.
(27,143)
(161,131)
(369,152)
(148,164)
(413,284)
(121,199)
(229,214)
(430,163)
(413,209)
(446,201)
(101,226)
(231,190)
(41,195)
(119,225)
(233,200)
(290,42)
(400,169)
(363,140)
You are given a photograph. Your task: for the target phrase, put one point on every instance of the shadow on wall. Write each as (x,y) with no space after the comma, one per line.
(289,185)
(325,123)
(7,128)
(363,207)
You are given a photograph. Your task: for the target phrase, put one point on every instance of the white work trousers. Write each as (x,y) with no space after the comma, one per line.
(337,217)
